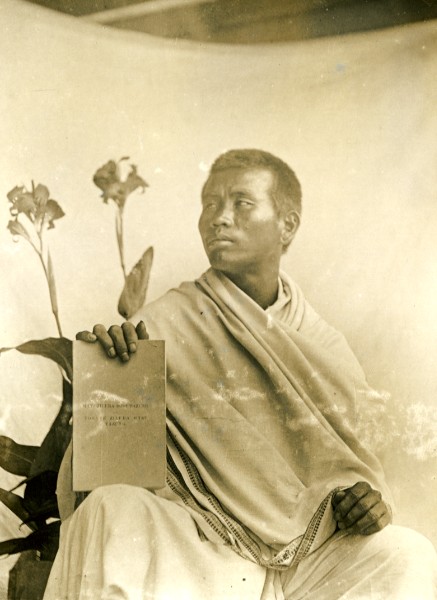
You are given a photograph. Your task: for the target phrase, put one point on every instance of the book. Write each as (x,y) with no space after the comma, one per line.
(119,433)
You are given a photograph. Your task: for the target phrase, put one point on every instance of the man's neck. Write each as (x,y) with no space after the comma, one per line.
(262,289)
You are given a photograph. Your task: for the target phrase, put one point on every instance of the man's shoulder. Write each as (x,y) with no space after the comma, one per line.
(329,338)
(315,328)
(176,299)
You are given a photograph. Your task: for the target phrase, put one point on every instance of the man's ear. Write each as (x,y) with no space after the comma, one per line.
(291,223)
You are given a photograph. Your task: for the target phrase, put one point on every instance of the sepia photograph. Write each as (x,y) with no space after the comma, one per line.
(218,315)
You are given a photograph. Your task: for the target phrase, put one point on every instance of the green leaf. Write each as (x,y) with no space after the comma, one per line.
(135,288)
(16,458)
(45,539)
(14,546)
(52,450)
(14,503)
(57,349)
(49,510)
(40,493)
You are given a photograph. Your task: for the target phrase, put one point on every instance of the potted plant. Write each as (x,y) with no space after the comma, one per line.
(33,215)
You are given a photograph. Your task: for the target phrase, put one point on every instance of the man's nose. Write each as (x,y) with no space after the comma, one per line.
(224,215)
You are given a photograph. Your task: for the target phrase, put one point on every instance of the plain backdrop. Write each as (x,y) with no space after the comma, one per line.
(355,118)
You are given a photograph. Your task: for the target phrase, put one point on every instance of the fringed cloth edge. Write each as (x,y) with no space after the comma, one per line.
(232,532)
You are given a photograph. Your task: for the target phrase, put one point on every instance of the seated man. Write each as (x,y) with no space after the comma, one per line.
(269,492)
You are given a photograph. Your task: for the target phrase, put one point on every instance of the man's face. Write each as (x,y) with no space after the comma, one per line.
(239,225)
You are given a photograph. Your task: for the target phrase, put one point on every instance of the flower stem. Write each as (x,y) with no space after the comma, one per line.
(52,292)
(58,323)
(119,231)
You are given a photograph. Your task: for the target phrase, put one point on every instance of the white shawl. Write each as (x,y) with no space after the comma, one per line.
(262,406)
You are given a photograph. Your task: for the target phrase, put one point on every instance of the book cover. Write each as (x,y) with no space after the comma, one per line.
(119,417)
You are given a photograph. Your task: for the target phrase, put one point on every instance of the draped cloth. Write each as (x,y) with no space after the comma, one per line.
(262,406)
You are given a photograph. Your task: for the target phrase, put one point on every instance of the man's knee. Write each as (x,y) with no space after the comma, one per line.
(406,546)
(113,499)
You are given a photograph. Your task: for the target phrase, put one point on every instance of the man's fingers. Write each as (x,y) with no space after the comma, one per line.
(105,340)
(337,498)
(116,334)
(363,507)
(378,525)
(374,521)
(130,336)
(363,517)
(86,336)
(372,517)
(142,331)
(116,341)
(353,495)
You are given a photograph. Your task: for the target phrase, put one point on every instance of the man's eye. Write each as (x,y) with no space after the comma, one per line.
(243,202)
(208,203)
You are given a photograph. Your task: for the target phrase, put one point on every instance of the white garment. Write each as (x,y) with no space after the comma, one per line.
(285,392)
(125,543)
(258,475)
(394,564)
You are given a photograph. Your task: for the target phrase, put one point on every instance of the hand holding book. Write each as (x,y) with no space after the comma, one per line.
(119,417)
(118,340)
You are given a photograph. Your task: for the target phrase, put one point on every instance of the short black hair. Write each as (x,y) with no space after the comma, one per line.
(287,194)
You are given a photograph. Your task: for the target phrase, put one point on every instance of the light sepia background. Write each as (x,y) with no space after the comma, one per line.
(355,116)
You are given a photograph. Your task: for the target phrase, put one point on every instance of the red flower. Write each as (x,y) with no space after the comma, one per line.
(108,179)
(36,205)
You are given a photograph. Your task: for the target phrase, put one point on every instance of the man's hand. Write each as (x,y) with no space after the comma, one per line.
(361,509)
(116,341)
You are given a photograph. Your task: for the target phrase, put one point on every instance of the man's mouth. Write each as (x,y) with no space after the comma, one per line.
(219,240)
